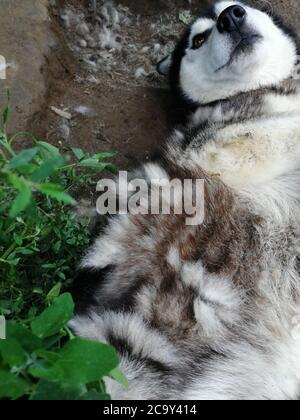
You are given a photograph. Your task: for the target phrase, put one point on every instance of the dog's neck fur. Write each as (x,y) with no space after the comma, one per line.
(275,100)
(248,140)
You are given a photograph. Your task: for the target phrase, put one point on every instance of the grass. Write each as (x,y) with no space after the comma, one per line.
(41,240)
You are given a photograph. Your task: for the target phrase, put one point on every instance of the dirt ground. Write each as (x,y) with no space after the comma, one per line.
(95,60)
(117,100)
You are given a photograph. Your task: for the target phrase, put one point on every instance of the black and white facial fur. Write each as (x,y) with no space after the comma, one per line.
(233,49)
(212,311)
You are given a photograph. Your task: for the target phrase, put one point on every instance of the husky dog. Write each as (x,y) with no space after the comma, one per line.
(212,311)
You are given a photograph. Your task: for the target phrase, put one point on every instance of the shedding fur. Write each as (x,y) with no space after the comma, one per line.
(212,311)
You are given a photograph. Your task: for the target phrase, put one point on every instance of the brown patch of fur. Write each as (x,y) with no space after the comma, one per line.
(226,244)
(172,306)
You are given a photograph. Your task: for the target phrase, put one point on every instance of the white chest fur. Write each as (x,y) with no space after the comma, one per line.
(253,153)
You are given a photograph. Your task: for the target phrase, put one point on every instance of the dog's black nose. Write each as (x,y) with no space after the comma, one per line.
(231,19)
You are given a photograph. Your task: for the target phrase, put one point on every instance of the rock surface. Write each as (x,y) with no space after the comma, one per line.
(25,41)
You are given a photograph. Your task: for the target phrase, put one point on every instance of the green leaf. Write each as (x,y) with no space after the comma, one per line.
(23,336)
(16,181)
(49,356)
(25,251)
(57,247)
(42,370)
(32,211)
(104,155)
(23,158)
(54,318)
(47,169)
(5,115)
(3,137)
(57,192)
(93,163)
(6,111)
(27,169)
(54,292)
(21,202)
(11,386)
(18,239)
(111,168)
(49,391)
(12,353)
(84,361)
(90,162)
(48,150)
(119,376)
(79,153)
(95,396)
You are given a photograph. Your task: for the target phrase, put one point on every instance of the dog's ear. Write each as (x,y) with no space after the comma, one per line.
(164,66)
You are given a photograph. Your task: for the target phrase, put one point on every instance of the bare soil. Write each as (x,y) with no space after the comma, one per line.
(124,111)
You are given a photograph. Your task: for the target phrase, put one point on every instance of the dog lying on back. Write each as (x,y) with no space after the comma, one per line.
(211,311)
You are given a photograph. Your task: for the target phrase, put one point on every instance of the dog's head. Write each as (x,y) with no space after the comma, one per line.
(234,48)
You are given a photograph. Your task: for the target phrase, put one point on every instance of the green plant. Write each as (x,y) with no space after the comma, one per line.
(42,237)
(41,360)
(41,234)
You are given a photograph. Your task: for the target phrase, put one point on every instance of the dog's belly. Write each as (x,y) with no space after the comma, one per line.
(199,311)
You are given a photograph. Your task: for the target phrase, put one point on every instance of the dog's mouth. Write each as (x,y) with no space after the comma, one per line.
(244,45)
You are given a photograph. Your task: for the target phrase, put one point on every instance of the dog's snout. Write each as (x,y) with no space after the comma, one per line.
(231,19)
